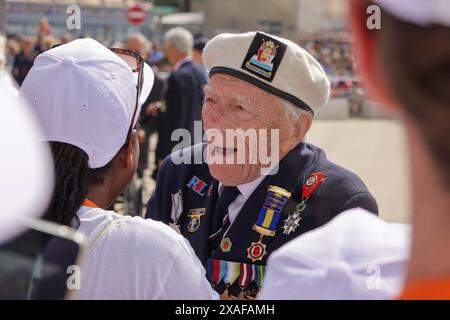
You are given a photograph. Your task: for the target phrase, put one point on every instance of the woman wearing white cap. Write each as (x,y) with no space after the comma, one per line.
(87,100)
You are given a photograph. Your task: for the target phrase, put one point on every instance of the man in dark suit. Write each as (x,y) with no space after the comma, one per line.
(184,97)
(236,213)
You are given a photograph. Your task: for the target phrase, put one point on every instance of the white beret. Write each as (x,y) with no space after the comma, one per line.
(274,64)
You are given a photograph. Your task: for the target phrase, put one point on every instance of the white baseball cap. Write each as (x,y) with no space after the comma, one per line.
(274,64)
(419,12)
(356,256)
(85,95)
(26,167)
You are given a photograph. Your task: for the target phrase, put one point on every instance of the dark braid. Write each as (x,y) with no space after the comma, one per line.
(71,182)
(72,178)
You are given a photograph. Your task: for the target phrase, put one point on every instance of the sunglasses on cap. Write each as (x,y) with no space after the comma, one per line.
(136,62)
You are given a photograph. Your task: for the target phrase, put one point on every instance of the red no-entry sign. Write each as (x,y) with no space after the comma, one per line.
(136,14)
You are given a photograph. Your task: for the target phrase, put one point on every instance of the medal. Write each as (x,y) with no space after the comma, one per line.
(267,221)
(177,210)
(216,270)
(244,278)
(225,244)
(195,216)
(229,272)
(175,227)
(256,251)
(233,271)
(292,222)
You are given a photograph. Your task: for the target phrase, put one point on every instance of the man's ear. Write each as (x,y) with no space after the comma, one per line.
(365,48)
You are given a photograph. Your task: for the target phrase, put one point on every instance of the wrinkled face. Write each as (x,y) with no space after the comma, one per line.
(231,103)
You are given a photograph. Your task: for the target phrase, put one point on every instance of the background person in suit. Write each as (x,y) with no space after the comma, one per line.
(184,97)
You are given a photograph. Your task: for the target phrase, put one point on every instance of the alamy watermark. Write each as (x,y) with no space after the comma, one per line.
(373,22)
(234,146)
(73,281)
(73,21)
(373,281)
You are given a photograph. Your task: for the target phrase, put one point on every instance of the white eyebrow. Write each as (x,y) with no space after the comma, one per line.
(241,99)
(206,89)
(237,99)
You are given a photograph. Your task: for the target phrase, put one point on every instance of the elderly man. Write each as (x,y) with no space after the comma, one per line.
(235,213)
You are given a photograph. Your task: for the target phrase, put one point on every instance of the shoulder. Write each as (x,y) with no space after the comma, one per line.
(112,234)
(336,174)
(342,187)
(188,70)
(187,160)
(143,238)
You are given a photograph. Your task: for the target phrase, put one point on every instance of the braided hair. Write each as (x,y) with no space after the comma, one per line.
(72,178)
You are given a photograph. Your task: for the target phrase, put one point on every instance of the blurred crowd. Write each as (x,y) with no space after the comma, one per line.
(335,56)
(19,52)
(337,59)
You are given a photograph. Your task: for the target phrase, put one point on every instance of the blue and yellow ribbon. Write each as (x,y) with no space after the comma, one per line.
(269,216)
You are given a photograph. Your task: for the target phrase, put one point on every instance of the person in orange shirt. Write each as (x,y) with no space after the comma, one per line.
(406,65)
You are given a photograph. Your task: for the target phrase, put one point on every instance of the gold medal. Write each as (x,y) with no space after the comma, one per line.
(195,216)
(225,245)
(256,251)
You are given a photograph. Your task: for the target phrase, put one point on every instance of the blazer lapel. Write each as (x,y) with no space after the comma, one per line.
(292,169)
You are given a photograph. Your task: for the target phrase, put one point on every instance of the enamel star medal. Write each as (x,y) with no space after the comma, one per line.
(292,222)
(177,210)
(267,221)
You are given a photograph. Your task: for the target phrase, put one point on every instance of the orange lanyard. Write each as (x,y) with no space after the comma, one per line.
(89,203)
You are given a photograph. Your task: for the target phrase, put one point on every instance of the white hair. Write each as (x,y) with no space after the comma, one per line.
(292,112)
(147,44)
(181,39)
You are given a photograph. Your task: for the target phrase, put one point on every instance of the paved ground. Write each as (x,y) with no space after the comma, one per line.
(373,149)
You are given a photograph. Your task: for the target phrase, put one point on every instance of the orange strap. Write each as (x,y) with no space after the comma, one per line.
(89,203)
(435,289)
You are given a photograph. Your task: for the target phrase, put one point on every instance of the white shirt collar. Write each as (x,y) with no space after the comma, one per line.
(246,189)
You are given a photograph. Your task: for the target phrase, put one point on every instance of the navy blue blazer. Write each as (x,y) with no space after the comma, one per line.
(184,101)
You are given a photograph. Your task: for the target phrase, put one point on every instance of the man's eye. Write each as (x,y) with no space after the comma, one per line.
(210,100)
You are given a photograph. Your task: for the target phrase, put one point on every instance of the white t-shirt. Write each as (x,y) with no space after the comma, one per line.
(137,259)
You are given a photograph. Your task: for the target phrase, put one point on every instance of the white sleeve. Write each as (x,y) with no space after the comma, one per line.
(186,277)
